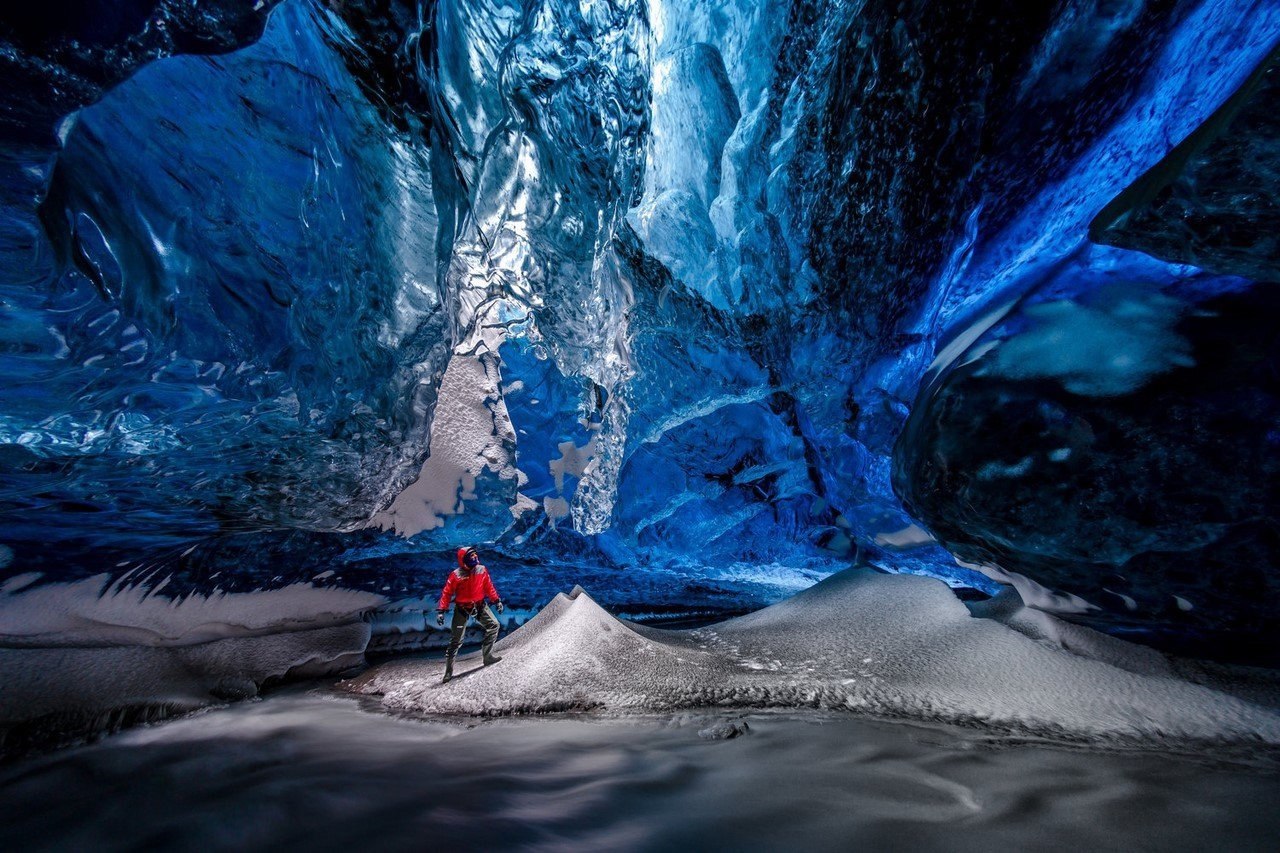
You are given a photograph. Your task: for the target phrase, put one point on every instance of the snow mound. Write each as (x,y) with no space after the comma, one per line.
(895,646)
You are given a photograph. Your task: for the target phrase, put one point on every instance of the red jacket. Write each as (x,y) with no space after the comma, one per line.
(468,589)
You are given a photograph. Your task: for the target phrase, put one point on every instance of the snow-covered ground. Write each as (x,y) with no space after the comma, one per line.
(94,654)
(309,771)
(883,645)
(736,736)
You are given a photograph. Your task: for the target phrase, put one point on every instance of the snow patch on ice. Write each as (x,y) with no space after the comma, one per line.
(471,433)
(573,460)
(99,612)
(1009,609)
(1032,593)
(21,581)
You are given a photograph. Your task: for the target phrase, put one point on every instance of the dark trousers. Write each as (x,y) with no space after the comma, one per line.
(484,618)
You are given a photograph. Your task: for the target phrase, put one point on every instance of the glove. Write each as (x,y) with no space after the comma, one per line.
(440,619)
(499,606)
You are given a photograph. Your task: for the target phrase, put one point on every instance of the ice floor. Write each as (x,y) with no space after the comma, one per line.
(870,712)
(307,768)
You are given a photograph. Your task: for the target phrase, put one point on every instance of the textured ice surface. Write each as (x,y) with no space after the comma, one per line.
(1150,420)
(237,324)
(1212,201)
(68,56)
(311,771)
(893,646)
(704,253)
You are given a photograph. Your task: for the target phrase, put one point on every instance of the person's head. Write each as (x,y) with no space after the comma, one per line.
(468,559)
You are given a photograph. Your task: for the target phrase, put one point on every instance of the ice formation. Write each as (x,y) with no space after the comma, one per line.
(696,298)
(884,645)
(80,657)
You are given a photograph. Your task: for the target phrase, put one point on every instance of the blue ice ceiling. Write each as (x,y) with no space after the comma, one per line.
(680,292)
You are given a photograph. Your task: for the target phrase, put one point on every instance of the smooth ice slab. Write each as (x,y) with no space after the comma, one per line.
(89,656)
(888,645)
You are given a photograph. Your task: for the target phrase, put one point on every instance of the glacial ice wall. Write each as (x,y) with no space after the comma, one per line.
(669,286)
(224,313)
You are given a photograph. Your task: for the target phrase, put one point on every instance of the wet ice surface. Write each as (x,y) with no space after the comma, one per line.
(308,769)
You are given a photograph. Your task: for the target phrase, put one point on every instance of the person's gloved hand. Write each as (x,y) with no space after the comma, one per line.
(500,606)
(440,619)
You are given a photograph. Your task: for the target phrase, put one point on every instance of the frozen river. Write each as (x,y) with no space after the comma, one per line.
(310,768)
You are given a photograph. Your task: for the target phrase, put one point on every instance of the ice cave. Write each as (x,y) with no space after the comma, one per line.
(622,425)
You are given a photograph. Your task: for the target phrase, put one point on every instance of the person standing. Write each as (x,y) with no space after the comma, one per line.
(470,588)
